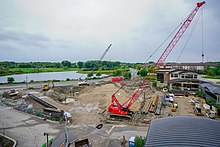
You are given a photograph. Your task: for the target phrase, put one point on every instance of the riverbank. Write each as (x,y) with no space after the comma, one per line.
(14,71)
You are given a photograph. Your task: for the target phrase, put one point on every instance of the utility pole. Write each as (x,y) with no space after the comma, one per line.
(46,134)
(66,134)
(26,83)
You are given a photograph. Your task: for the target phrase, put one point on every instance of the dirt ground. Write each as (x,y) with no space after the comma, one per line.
(184,107)
(85,104)
(93,100)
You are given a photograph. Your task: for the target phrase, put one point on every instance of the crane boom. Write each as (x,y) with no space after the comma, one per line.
(116,108)
(136,94)
(178,35)
(103,55)
(105,52)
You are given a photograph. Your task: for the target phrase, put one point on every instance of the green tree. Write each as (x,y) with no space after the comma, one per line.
(127,75)
(118,72)
(10,80)
(80,64)
(66,63)
(98,74)
(142,72)
(154,83)
(90,74)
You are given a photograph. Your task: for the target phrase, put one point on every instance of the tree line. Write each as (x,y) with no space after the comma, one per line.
(106,65)
(115,67)
(210,71)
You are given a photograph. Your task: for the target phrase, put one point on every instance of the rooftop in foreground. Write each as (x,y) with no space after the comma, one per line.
(183,131)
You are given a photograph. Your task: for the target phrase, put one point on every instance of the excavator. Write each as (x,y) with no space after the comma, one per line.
(117,109)
(47,86)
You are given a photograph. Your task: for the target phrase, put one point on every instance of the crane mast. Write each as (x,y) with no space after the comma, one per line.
(103,55)
(178,35)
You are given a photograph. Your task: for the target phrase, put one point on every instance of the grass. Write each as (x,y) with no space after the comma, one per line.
(34,70)
(211,77)
(217,82)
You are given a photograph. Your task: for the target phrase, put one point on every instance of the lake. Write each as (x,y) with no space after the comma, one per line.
(44,76)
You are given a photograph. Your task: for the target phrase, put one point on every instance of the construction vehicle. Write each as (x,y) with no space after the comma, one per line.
(84,82)
(13,92)
(10,93)
(47,86)
(123,110)
(115,108)
(174,107)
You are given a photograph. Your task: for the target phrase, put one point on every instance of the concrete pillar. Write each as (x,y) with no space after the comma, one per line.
(182,86)
(170,87)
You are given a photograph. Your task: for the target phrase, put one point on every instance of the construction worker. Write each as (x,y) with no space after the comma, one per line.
(123,141)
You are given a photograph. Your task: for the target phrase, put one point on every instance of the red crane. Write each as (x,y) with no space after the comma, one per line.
(117,109)
(178,35)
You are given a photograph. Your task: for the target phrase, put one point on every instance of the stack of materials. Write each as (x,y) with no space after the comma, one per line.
(147,106)
(154,104)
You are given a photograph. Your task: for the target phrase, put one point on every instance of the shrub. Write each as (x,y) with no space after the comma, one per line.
(139,141)
(10,80)
(98,74)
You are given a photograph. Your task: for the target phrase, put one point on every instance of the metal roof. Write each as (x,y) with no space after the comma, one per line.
(183,131)
(213,88)
(187,80)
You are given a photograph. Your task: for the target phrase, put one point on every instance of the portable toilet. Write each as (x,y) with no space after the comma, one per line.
(131,142)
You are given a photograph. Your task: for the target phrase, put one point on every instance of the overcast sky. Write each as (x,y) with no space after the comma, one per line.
(81,30)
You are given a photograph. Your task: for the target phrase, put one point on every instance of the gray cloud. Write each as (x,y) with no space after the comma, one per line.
(82,30)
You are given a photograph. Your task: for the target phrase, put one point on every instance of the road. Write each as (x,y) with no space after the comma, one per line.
(27,130)
(200,77)
(40,85)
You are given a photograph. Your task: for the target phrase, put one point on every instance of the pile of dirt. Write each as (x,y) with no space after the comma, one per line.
(61,93)
(68,90)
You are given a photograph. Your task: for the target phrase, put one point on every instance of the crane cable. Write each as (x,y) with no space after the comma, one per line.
(202,39)
(145,63)
(162,44)
(190,35)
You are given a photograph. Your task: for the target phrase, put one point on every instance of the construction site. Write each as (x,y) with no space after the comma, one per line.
(139,103)
(93,110)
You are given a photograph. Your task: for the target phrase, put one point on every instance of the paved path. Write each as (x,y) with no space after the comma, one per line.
(27,130)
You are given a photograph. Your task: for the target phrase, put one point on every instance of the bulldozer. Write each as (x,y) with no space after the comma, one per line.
(47,86)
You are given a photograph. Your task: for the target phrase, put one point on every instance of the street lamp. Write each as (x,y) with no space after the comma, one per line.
(46,134)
